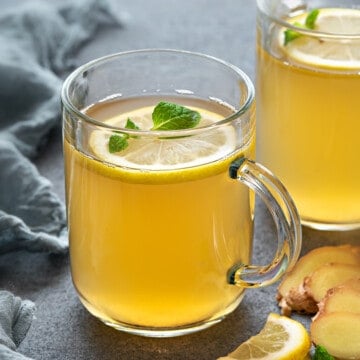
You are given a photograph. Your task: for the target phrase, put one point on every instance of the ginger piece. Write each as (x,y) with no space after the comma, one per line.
(339,333)
(328,276)
(291,295)
(298,300)
(345,297)
(354,284)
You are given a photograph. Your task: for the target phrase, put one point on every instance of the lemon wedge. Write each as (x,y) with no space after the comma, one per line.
(151,153)
(327,51)
(281,339)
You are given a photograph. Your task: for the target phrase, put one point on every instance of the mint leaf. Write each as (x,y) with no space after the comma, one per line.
(170,116)
(290,35)
(118,142)
(166,116)
(131,125)
(311,19)
(321,354)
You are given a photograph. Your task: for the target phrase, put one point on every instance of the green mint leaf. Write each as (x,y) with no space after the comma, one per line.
(166,116)
(118,142)
(131,125)
(290,35)
(311,19)
(170,116)
(321,354)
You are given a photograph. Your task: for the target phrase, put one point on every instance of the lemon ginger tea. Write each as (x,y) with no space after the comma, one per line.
(308,86)
(155,230)
(160,225)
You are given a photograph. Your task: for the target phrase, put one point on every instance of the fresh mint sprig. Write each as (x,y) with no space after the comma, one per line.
(131,125)
(290,35)
(165,116)
(321,354)
(170,116)
(119,142)
(311,19)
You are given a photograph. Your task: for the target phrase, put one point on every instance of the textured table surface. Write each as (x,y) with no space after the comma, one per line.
(62,328)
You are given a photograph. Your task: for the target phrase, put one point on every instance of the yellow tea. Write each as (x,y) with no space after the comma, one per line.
(309,118)
(151,244)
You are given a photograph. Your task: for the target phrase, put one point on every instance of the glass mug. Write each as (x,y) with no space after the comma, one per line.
(161,230)
(308,86)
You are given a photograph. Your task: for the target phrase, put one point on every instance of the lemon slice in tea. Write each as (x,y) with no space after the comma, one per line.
(327,52)
(281,339)
(151,153)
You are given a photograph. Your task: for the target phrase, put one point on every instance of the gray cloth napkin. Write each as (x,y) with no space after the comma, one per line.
(15,319)
(37,47)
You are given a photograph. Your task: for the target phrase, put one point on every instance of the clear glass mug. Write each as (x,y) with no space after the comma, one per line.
(161,230)
(307,88)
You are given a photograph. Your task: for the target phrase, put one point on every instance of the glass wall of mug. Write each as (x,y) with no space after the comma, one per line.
(308,86)
(160,217)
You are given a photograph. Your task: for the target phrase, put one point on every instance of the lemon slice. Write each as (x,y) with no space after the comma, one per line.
(281,339)
(150,153)
(327,52)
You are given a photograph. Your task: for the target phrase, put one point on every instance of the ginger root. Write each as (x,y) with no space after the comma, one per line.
(337,324)
(339,333)
(326,281)
(345,297)
(292,296)
(327,277)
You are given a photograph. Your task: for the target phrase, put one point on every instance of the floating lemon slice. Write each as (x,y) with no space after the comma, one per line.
(151,153)
(281,339)
(327,52)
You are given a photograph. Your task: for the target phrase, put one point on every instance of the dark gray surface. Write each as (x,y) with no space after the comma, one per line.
(62,328)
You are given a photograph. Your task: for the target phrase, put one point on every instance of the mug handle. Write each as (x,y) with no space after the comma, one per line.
(285,216)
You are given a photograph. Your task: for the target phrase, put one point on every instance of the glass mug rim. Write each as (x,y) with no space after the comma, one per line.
(264,9)
(236,115)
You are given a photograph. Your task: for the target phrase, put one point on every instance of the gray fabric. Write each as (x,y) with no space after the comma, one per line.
(37,46)
(15,319)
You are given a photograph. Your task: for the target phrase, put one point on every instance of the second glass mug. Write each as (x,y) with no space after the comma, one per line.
(161,230)
(308,86)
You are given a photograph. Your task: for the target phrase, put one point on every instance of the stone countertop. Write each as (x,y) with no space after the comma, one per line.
(63,329)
